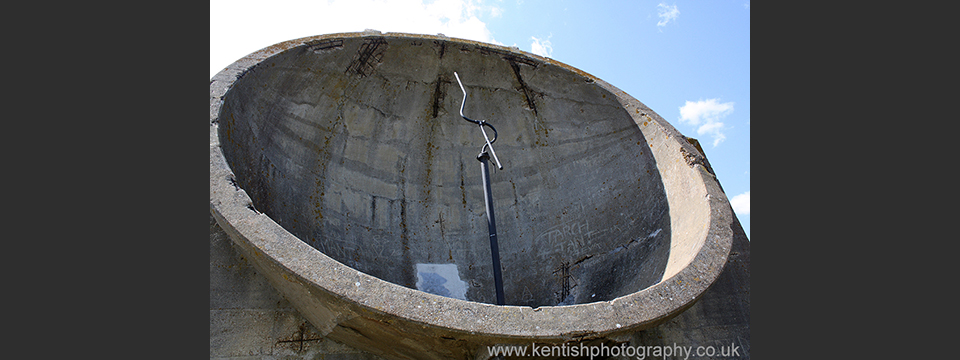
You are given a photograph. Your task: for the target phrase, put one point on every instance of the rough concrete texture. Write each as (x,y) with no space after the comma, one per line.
(343,174)
(249,319)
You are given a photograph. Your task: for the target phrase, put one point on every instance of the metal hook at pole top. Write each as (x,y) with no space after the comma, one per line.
(481,123)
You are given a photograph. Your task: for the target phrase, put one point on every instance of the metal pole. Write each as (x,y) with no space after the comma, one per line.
(491,225)
(487,194)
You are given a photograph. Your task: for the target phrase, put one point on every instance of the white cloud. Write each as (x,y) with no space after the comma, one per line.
(706,115)
(541,47)
(239,27)
(741,203)
(667,14)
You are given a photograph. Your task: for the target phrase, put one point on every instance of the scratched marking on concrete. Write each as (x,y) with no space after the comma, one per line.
(571,233)
(441,279)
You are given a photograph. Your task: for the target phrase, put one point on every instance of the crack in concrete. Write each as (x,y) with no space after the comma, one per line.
(528,93)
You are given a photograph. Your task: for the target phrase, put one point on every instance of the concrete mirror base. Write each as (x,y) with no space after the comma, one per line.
(344,176)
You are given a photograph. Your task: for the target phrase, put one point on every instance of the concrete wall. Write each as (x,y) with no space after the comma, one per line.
(355,146)
(249,319)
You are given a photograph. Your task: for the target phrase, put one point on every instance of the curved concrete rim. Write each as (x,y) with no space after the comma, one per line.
(290,263)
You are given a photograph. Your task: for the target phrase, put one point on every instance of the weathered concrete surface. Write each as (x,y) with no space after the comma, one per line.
(249,319)
(721,317)
(372,166)
(338,170)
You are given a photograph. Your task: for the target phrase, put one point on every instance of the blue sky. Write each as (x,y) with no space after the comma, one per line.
(687,60)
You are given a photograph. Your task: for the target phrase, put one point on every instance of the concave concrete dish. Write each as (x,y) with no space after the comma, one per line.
(341,168)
